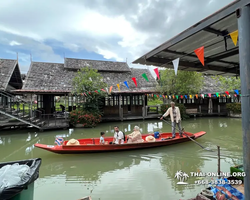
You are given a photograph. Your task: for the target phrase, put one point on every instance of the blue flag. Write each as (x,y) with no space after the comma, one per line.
(186,96)
(237,92)
(125,82)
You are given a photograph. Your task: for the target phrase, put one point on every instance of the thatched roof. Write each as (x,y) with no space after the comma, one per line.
(10,76)
(55,77)
(48,77)
(211,86)
(111,66)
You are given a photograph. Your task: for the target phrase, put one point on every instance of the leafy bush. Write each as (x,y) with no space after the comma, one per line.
(234,107)
(182,108)
(87,119)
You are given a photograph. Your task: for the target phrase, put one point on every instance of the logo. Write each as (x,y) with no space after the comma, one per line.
(181,176)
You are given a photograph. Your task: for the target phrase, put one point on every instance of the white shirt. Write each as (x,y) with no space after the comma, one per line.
(101,140)
(119,136)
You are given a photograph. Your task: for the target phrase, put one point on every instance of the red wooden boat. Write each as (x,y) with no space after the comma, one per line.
(93,145)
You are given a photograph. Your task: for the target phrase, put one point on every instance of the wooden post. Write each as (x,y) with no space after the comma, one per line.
(143,107)
(218,147)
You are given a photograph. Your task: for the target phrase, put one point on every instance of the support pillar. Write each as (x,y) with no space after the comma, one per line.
(243,16)
(143,107)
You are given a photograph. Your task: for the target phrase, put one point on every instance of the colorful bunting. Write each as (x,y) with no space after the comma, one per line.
(217,94)
(176,65)
(145,76)
(118,86)
(234,36)
(96,92)
(99,91)
(209,94)
(107,90)
(200,54)
(196,96)
(237,92)
(85,94)
(227,92)
(157,73)
(186,96)
(177,97)
(134,79)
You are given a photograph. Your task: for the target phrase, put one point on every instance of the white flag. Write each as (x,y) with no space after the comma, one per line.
(176,65)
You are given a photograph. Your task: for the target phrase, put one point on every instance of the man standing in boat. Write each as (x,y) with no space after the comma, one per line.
(175,117)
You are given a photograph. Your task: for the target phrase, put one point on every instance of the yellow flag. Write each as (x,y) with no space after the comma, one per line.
(234,36)
(191,96)
(118,86)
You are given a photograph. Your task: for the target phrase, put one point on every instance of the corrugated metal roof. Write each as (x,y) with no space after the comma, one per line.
(221,55)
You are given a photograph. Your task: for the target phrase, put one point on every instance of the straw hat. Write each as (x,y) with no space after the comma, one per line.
(150,138)
(73,142)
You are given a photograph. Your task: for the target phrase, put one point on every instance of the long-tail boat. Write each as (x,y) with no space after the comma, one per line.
(91,145)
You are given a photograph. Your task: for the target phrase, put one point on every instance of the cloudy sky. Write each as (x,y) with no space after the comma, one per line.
(94,29)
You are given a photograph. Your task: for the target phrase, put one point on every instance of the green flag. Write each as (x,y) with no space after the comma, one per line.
(145,76)
(177,97)
(217,94)
(99,91)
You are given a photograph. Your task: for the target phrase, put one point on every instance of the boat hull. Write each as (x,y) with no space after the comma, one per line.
(92,148)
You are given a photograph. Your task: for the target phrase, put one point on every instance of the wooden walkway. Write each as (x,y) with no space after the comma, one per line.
(52,124)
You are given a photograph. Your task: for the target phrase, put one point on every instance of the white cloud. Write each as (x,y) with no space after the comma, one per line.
(109,55)
(116,30)
(14,43)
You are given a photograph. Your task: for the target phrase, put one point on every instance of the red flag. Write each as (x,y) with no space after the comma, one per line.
(134,79)
(227,92)
(89,93)
(181,96)
(200,54)
(157,72)
(96,92)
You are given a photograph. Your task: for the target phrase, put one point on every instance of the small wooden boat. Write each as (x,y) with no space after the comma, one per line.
(92,144)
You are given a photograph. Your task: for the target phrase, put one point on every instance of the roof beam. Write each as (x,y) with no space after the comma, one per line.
(223,55)
(216,32)
(219,15)
(206,59)
(162,61)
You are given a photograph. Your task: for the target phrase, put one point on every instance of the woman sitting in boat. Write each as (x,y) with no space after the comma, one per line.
(135,137)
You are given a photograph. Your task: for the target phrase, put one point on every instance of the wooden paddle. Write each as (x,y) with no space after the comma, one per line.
(188,136)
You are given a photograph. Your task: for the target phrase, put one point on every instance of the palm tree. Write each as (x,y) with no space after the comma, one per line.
(178,175)
(185,177)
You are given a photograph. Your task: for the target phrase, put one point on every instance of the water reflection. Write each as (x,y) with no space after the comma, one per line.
(142,174)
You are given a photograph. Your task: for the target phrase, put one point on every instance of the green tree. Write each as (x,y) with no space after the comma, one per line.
(185,82)
(89,80)
(228,83)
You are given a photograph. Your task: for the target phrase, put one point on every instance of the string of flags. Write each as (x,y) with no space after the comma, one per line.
(217,94)
(199,53)
(109,90)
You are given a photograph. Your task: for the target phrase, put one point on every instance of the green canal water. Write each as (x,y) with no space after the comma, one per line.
(136,175)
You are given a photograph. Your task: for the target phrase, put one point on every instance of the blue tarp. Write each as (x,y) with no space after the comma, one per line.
(228,187)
